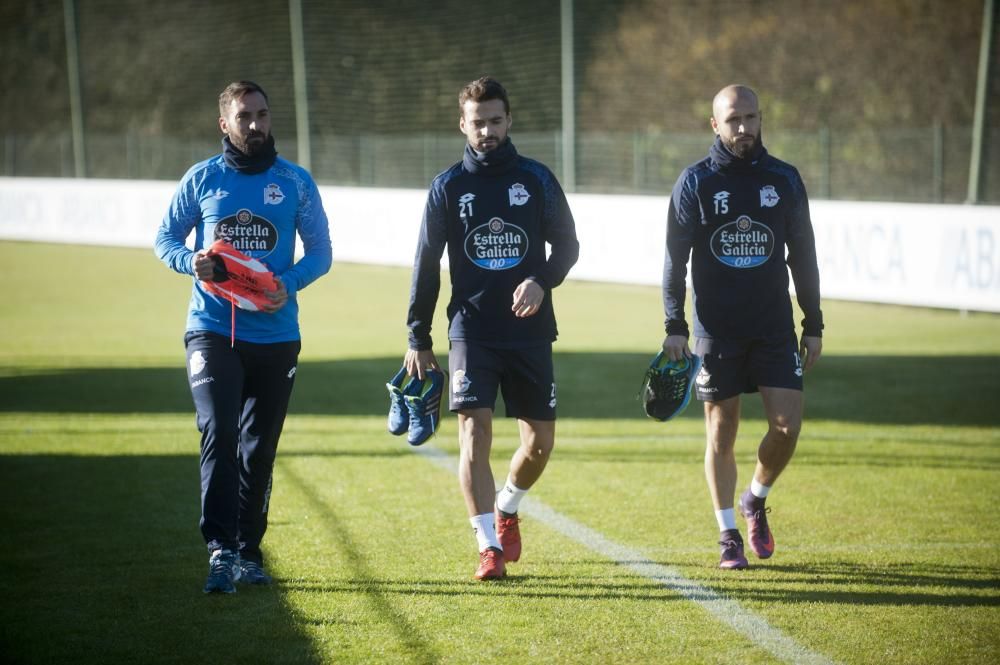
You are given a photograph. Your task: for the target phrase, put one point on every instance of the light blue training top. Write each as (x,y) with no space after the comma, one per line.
(260,214)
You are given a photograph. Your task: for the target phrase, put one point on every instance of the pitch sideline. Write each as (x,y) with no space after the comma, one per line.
(727,611)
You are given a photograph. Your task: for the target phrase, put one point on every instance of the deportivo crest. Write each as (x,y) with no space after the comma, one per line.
(518,195)
(248,232)
(768,197)
(197,363)
(459,382)
(743,243)
(273,195)
(496,245)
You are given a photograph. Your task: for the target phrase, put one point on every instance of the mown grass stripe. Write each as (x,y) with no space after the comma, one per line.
(726,610)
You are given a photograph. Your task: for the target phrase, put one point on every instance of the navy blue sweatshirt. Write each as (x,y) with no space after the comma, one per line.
(734,218)
(495,212)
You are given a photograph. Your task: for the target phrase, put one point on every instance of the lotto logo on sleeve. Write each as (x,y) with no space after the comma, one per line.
(743,243)
(496,245)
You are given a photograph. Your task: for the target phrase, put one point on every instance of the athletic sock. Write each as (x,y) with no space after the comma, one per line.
(726,519)
(509,497)
(484,526)
(759,491)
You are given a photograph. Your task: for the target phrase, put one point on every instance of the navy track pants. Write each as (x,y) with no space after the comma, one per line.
(241,396)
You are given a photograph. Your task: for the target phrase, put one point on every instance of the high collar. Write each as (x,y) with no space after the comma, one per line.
(727,161)
(249,164)
(495,162)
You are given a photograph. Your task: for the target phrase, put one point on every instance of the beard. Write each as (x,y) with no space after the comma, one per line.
(250,145)
(487,144)
(744,149)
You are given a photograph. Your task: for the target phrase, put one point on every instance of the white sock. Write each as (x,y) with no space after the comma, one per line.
(484,526)
(758,490)
(726,519)
(509,497)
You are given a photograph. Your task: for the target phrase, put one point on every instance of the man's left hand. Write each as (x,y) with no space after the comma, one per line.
(810,350)
(528,297)
(278,298)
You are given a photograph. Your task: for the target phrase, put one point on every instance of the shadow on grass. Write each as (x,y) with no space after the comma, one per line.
(895,584)
(514,585)
(102,563)
(918,390)
(408,634)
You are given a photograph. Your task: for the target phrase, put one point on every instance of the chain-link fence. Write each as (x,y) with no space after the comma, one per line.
(382,78)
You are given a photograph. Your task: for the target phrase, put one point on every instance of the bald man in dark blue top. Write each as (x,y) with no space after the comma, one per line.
(733,214)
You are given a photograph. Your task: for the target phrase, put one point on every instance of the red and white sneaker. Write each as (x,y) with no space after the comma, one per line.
(491,566)
(509,534)
(239,278)
(761,540)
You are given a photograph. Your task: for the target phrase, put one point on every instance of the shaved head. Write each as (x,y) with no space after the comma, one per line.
(736,119)
(729,95)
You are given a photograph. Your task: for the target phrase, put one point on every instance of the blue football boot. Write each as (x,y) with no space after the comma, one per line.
(425,407)
(399,412)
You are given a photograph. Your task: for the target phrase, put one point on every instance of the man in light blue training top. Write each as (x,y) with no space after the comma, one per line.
(733,214)
(241,364)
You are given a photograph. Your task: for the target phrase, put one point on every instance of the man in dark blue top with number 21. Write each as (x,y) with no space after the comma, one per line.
(733,214)
(495,210)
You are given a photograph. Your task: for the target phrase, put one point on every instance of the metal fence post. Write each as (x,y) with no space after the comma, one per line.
(826,159)
(75,96)
(937,175)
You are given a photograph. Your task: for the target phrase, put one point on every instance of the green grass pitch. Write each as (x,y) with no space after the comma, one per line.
(888,540)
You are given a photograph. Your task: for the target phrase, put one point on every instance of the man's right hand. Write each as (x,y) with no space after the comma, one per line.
(203,265)
(417,362)
(676,347)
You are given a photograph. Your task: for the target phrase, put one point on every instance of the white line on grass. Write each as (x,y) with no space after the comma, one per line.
(726,610)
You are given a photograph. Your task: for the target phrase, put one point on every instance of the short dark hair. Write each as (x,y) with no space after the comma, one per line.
(236,90)
(483,89)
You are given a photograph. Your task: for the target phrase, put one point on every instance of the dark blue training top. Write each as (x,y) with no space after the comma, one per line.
(495,212)
(734,218)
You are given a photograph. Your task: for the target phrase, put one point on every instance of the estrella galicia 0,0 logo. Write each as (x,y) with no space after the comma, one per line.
(743,243)
(496,245)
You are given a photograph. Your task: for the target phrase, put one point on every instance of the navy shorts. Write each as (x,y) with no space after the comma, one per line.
(524,376)
(730,367)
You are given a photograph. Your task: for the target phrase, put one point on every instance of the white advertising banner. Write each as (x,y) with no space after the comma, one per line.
(913,254)
(83,212)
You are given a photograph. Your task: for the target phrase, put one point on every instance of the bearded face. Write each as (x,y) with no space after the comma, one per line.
(736,119)
(247,122)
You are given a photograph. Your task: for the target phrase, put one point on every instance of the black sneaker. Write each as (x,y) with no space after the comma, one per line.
(666,388)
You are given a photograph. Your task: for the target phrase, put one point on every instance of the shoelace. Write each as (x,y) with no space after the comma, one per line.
(416,406)
(507,522)
(221,565)
(673,384)
(251,568)
(760,518)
